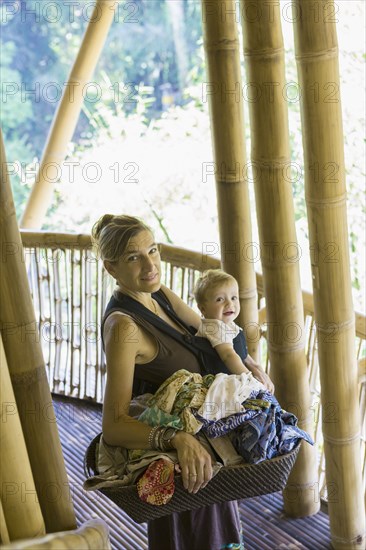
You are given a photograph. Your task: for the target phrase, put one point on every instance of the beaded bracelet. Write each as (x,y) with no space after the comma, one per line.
(152,438)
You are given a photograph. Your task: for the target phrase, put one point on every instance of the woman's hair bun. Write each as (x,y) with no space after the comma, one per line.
(111,234)
(101,224)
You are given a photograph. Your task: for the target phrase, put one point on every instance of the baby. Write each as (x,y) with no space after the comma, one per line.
(217,297)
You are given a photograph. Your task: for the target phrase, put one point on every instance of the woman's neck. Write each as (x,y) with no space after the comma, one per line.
(143,298)
(146,300)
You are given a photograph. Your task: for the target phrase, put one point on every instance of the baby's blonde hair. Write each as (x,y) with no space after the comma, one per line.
(208,280)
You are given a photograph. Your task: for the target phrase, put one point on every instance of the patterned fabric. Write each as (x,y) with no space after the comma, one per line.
(156,417)
(227,393)
(156,486)
(119,467)
(261,430)
(177,397)
(217,428)
(272,433)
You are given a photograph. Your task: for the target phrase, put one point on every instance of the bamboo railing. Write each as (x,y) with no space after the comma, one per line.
(70,290)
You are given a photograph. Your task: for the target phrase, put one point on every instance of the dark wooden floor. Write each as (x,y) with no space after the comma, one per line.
(264,525)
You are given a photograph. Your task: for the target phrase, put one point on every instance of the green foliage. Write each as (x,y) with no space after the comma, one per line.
(41,40)
(14,112)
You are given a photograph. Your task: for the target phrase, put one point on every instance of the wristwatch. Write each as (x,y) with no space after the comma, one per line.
(167,438)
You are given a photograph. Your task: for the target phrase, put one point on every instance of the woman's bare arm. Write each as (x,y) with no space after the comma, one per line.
(123,340)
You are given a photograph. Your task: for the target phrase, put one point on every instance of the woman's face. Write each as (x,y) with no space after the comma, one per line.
(138,269)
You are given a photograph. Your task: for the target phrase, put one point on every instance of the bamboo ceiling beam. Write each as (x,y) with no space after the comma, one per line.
(316,49)
(223,90)
(67,114)
(27,370)
(265,65)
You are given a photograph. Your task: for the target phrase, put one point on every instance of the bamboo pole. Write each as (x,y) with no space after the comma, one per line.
(20,506)
(223,90)
(317,61)
(265,65)
(28,375)
(67,113)
(4,533)
(92,535)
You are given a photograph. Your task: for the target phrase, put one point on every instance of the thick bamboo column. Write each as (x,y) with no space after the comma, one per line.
(4,533)
(265,64)
(20,506)
(67,114)
(92,535)
(317,61)
(224,92)
(27,370)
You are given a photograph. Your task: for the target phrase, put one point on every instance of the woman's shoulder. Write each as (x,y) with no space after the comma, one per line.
(167,294)
(119,328)
(118,318)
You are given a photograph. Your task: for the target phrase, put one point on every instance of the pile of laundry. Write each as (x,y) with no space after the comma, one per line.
(233,416)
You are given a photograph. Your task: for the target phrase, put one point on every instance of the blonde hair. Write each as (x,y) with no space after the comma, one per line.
(209,279)
(112,233)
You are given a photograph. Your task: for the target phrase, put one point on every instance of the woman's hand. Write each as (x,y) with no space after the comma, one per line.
(194,461)
(259,373)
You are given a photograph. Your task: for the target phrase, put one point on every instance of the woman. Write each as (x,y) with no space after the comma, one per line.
(138,352)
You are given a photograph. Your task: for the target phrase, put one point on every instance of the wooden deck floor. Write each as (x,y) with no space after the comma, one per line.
(265,527)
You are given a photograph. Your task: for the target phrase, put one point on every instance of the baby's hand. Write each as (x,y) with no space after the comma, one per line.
(262,377)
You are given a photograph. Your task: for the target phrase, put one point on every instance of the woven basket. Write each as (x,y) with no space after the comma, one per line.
(230,483)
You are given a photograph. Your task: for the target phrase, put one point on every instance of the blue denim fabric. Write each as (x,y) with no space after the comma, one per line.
(259,434)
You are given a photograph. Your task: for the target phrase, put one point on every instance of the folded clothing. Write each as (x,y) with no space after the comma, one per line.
(156,485)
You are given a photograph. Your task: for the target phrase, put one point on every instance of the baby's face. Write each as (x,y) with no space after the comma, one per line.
(222,302)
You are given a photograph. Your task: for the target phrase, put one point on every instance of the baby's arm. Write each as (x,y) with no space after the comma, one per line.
(231,359)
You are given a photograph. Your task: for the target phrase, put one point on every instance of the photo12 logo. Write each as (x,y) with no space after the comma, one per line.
(52,92)
(266,12)
(68,11)
(73,171)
